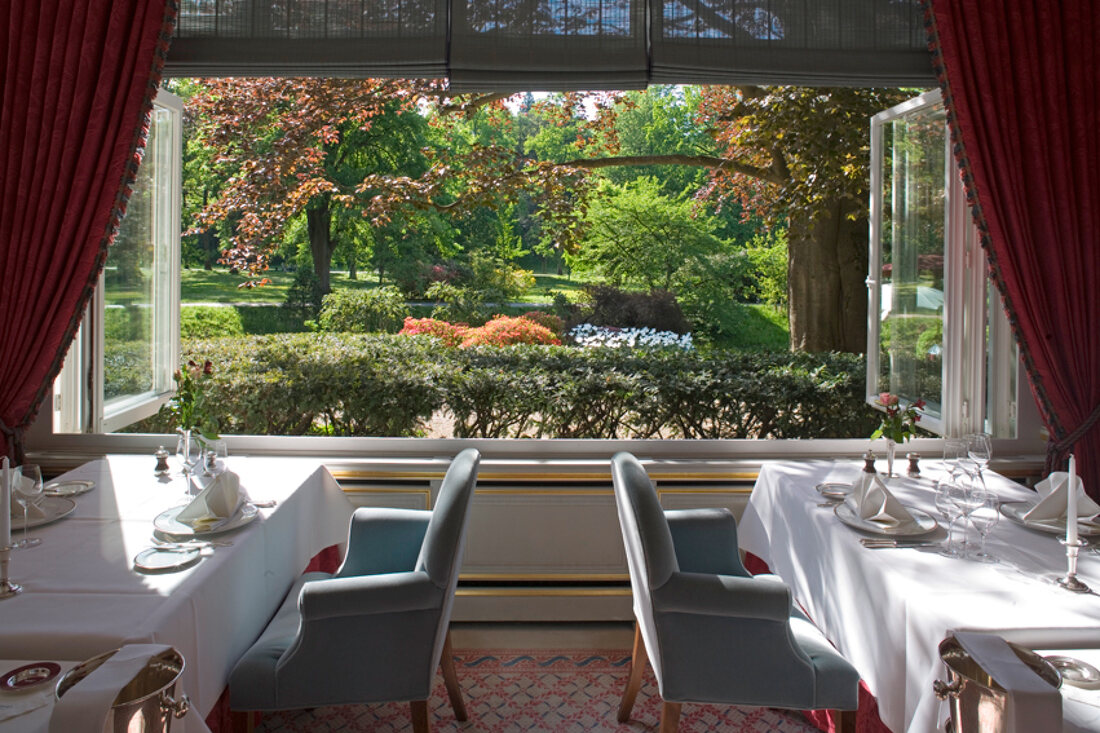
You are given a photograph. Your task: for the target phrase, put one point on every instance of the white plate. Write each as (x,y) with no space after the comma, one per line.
(1076,672)
(1015,510)
(72,487)
(834,490)
(166,522)
(54,507)
(925,523)
(156,559)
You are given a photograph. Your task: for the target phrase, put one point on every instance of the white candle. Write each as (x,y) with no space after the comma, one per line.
(5,505)
(1071,503)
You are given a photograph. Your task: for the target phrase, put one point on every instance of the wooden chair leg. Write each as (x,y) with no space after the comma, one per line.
(450,679)
(242,721)
(846,721)
(634,682)
(670,717)
(419,710)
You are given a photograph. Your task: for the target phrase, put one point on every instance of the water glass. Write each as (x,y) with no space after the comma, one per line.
(28,492)
(979,449)
(954,451)
(217,452)
(984,517)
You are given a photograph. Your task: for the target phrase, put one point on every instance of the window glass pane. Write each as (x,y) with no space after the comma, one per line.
(912,297)
(130,328)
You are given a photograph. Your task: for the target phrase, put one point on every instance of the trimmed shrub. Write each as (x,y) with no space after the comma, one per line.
(449,334)
(204,322)
(382,310)
(506,330)
(383,385)
(303,297)
(547,320)
(459,304)
(657,310)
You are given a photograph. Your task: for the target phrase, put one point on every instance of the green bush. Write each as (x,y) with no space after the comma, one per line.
(205,321)
(459,304)
(382,310)
(381,385)
(127,368)
(657,310)
(303,297)
(126,323)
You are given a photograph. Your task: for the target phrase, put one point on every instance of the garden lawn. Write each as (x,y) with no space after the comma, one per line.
(221,286)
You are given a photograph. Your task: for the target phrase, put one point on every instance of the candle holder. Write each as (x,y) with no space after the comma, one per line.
(1070,581)
(8,589)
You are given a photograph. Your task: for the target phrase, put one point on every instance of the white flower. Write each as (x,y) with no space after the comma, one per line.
(588,335)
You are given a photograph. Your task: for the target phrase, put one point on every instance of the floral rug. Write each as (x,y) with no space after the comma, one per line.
(559,691)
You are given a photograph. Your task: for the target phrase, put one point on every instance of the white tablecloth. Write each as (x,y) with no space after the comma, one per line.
(82,596)
(887,610)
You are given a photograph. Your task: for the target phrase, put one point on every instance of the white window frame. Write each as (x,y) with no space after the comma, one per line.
(967,354)
(78,404)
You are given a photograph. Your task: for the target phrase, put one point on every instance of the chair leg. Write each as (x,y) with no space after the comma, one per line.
(670,717)
(634,682)
(450,679)
(846,721)
(419,710)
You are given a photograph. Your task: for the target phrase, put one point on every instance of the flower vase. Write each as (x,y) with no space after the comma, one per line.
(891,451)
(188,450)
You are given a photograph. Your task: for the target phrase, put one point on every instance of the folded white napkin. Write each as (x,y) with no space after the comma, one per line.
(871,500)
(33,510)
(85,705)
(216,504)
(1054,490)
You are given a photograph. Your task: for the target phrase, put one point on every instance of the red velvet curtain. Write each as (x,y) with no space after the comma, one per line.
(77,80)
(1021,82)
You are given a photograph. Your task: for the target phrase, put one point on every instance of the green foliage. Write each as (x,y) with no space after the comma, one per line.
(126,323)
(459,304)
(127,368)
(303,297)
(202,322)
(768,254)
(497,278)
(368,311)
(637,236)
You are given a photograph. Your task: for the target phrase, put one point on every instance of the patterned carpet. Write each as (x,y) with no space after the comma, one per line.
(558,691)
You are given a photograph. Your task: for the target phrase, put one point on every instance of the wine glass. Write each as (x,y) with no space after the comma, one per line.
(984,517)
(214,463)
(951,511)
(980,449)
(28,490)
(954,450)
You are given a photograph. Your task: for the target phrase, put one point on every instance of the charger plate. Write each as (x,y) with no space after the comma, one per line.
(159,560)
(72,487)
(1015,511)
(166,522)
(924,523)
(52,507)
(834,490)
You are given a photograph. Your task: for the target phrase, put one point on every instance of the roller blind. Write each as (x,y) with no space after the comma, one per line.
(506,45)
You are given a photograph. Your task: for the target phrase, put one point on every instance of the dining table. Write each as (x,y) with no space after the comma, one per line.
(887,610)
(82,594)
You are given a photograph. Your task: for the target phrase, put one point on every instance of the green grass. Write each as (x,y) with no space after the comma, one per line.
(757,327)
(221,286)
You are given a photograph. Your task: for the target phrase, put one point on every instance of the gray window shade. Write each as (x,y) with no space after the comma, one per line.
(805,42)
(350,38)
(559,44)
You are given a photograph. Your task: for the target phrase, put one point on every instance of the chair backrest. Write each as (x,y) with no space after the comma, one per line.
(445,537)
(650,553)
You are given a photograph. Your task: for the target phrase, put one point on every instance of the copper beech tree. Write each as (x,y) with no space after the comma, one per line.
(795,155)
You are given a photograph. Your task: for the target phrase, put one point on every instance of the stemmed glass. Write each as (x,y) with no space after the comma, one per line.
(947,493)
(980,449)
(28,489)
(189,453)
(954,451)
(214,462)
(984,516)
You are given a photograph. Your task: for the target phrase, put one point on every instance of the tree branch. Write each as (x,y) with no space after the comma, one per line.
(769,175)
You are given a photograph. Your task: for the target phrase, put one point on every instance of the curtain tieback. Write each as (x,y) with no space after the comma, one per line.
(1058,450)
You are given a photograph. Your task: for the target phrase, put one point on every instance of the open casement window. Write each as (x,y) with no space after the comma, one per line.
(936,328)
(119,369)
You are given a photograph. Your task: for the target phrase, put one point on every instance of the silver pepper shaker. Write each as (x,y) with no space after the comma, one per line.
(162,461)
(914,469)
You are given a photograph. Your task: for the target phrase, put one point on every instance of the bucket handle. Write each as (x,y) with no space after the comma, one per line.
(944,690)
(178,708)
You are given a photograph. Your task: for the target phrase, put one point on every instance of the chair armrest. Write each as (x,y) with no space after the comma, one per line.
(723,595)
(705,541)
(368,594)
(384,540)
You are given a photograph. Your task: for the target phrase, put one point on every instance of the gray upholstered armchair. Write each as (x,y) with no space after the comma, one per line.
(374,631)
(714,633)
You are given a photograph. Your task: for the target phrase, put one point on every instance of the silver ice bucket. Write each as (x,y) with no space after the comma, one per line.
(147,704)
(978,704)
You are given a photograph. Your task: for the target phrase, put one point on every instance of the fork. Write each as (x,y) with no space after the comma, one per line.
(884,544)
(189,544)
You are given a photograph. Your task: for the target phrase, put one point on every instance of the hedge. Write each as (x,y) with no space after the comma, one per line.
(381,385)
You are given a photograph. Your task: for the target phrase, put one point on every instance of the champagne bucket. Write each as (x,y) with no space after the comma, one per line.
(978,704)
(147,704)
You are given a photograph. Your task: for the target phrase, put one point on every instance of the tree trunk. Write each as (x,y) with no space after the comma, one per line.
(826,280)
(353,268)
(319,226)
